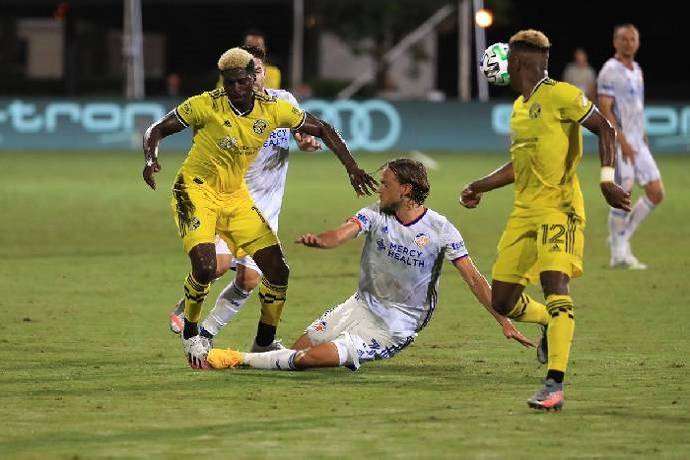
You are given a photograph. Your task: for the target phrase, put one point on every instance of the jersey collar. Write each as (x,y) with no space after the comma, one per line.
(240,113)
(414,221)
(537,87)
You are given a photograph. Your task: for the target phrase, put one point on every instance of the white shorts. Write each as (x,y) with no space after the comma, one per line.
(643,171)
(247,261)
(353,328)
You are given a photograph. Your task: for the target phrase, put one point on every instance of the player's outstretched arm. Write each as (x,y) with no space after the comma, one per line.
(615,196)
(362,182)
(164,127)
(331,238)
(482,291)
(472,193)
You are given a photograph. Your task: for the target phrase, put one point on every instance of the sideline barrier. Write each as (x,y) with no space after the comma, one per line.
(367,125)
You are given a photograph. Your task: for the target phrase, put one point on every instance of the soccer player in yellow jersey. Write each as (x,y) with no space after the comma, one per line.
(210,196)
(543,239)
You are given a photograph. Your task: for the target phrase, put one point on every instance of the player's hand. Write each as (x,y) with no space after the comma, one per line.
(469,198)
(511,332)
(615,196)
(307,143)
(362,182)
(311,240)
(151,167)
(628,152)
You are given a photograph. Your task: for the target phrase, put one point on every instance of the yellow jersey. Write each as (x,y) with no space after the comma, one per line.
(546,146)
(226,141)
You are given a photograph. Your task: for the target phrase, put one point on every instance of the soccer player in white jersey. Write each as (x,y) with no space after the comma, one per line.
(265,180)
(620,89)
(404,250)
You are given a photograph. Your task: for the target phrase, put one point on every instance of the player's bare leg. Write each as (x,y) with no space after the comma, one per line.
(272,292)
(230,300)
(560,335)
(654,195)
(322,355)
(177,314)
(196,287)
(509,300)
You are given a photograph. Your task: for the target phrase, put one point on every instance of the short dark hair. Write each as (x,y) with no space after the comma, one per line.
(254,51)
(411,172)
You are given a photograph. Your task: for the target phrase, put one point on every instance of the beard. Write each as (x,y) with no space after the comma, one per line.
(389,208)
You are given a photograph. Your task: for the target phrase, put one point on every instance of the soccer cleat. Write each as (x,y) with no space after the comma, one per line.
(219,358)
(632,263)
(177,318)
(275,345)
(196,349)
(548,398)
(543,346)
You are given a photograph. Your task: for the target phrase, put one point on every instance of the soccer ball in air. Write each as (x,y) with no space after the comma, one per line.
(494,64)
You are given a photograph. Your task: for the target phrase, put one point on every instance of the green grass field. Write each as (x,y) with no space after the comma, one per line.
(91,264)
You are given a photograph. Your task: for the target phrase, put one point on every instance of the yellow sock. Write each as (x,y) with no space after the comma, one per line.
(272,299)
(560,332)
(194,295)
(528,310)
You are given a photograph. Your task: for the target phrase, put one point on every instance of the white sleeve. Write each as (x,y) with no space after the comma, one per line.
(453,243)
(606,83)
(365,217)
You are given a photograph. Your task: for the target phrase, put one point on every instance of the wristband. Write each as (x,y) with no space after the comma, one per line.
(607,174)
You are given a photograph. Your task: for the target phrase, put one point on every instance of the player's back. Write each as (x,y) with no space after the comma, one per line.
(267,174)
(626,87)
(546,146)
(225,140)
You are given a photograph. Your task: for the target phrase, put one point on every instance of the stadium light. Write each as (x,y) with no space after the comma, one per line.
(484,18)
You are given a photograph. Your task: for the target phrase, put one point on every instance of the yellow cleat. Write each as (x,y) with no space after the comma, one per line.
(220,358)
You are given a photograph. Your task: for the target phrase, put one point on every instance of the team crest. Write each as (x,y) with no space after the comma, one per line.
(187,108)
(421,240)
(259,126)
(321,327)
(194,224)
(534,110)
(380,245)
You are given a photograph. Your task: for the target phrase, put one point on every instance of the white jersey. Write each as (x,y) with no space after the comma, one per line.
(266,176)
(401,265)
(627,88)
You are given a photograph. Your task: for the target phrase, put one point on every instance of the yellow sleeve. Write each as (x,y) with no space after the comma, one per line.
(192,111)
(572,102)
(289,116)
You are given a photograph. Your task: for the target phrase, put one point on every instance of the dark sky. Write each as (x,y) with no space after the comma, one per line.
(663,51)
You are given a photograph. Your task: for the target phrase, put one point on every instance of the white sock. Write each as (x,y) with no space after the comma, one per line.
(617,220)
(278,359)
(227,305)
(639,212)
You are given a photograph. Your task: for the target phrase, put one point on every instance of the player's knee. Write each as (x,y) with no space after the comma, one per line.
(278,271)
(246,278)
(656,195)
(502,306)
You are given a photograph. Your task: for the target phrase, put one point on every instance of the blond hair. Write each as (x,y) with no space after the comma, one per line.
(533,38)
(236,58)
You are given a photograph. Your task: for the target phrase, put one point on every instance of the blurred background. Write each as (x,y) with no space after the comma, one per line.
(391,74)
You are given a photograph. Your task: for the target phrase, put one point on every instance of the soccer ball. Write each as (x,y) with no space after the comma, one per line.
(494,64)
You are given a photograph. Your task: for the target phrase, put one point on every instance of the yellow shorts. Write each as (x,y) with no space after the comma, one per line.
(201,212)
(531,245)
